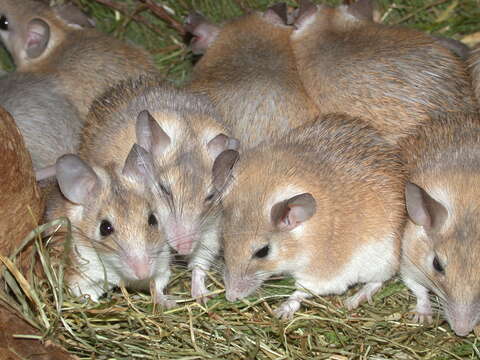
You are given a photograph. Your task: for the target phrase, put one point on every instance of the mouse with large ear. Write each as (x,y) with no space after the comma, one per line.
(249,73)
(62,64)
(396,75)
(183,132)
(441,244)
(322,204)
(116,235)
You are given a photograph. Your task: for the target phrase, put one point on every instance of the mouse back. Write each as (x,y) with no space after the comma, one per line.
(398,79)
(474,65)
(248,71)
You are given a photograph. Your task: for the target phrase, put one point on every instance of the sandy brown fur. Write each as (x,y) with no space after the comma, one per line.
(474,64)
(250,75)
(392,76)
(444,160)
(356,178)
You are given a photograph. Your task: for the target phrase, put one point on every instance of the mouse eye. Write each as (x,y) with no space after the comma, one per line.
(106,228)
(152,220)
(165,190)
(3,23)
(261,253)
(437,265)
(210,197)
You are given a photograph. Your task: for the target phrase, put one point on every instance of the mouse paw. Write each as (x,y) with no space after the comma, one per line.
(200,293)
(287,309)
(364,294)
(423,313)
(165,301)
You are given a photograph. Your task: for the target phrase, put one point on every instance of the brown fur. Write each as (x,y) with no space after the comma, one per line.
(84,61)
(249,73)
(474,63)
(444,160)
(357,181)
(20,199)
(392,76)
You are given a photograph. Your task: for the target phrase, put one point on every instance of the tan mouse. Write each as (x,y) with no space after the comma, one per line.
(248,71)
(183,132)
(441,241)
(116,238)
(323,204)
(390,75)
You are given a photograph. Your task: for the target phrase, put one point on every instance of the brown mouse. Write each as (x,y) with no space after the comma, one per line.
(62,43)
(323,204)
(248,71)
(183,132)
(441,243)
(392,76)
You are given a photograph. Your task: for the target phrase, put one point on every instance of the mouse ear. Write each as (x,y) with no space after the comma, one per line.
(138,165)
(38,36)
(222,169)
(422,209)
(277,13)
(150,134)
(362,9)
(305,11)
(76,179)
(288,214)
(73,16)
(220,143)
(204,33)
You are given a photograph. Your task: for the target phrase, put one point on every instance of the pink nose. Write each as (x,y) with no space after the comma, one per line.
(182,239)
(140,267)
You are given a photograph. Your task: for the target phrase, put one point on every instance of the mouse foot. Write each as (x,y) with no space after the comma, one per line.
(287,309)
(165,301)
(423,313)
(199,290)
(364,294)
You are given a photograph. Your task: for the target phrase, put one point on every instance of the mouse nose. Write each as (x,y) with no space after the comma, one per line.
(141,267)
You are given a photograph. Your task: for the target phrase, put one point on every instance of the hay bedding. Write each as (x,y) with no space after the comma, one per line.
(126,325)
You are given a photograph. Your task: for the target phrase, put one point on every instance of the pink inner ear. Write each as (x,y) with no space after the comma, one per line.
(292,217)
(34,38)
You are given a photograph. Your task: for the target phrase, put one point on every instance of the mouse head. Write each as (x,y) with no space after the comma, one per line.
(445,238)
(317,17)
(206,34)
(184,138)
(112,212)
(266,212)
(31,30)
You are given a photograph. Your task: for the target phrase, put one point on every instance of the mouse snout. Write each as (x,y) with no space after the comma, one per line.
(182,236)
(462,318)
(140,266)
(237,287)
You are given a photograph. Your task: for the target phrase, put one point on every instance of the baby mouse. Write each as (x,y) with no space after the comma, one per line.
(393,76)
(441,241)
(323,204)
(248,71)
(115,232)
(183,132)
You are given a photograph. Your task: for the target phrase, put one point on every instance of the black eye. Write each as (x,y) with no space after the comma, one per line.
(152,220)
(262,252)
(210,197)
(165,190)
(437,266)
(106,228)
(3,23)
